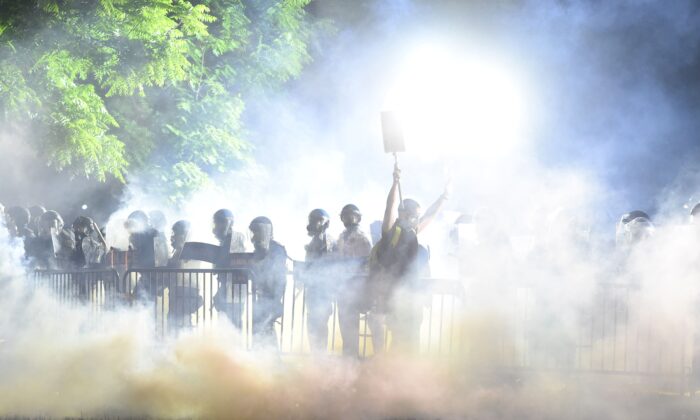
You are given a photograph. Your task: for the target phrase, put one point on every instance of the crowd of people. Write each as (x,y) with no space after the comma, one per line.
(358,274)
(333,270)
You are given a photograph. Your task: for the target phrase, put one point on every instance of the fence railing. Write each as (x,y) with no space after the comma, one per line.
(193,298)
(95,288)
(200,298)
(617,331)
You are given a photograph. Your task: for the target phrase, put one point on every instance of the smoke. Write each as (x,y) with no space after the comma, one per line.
(612,109)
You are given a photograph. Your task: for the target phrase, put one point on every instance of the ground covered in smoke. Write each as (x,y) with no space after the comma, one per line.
(58,362)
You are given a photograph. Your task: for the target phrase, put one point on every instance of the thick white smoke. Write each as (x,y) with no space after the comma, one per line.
(59,361)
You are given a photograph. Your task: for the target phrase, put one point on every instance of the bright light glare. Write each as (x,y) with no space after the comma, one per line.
(450,104)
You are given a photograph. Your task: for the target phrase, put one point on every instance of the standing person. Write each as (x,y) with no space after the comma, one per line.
(318,292)
(395,266)
(90,245)
(226,300)
(352,250)
(141,240)
(53,246)
(142,247)
(160,242)
(35,213)
(17,219)
(184,297)
(270,278)
(230,241)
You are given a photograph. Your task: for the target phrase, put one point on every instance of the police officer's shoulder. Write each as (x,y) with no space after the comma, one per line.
(276,247)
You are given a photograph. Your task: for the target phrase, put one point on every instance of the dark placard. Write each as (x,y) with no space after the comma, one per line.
(200,251)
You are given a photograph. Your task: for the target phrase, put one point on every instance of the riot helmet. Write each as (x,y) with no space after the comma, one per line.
(83,226)
(180,232)
(350,216)
(49,222)
(157,219)
(18,216)
(137,222)
(623,234)
(261,229)
(35,213)
(222,224)
(319,220)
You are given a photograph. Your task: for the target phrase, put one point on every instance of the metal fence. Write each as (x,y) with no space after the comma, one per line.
(617,331)
(200,298)
(95,288)
(193,298)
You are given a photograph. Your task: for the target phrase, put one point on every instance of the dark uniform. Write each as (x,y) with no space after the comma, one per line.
(396,264)
(270,277)
(318,291)
(352,251)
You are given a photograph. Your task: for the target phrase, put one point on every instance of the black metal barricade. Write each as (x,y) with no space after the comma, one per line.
(618,331)
(193,298)
(94,287)
(441,301)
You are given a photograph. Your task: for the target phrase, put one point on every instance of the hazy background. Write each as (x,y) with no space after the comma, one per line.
(612,95)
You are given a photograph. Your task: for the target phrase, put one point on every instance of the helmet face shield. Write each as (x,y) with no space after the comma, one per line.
(318,222)
(350,216)
(261,236)
(639,229)
(50,223)
(221,227)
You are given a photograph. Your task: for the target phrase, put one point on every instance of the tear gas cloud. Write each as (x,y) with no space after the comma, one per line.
(600,104)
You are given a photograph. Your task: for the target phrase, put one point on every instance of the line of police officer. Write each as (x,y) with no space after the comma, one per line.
(349,270)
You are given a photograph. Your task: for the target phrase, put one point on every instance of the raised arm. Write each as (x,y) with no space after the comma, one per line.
(392,202)
(434,209)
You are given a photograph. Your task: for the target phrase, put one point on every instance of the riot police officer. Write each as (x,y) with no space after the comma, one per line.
(35,213)
(353,249)
(228,299)
(318,293)
(184,297)
(160,242)
(53,246)
(141,240)
(91,246)
(229,240)
(270,277)
(142,245)
(17,219)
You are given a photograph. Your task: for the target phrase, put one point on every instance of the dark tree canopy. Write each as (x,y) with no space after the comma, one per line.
(102,88)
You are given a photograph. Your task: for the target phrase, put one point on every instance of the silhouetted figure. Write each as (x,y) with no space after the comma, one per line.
(184,298)
(352,250)
(53,246)
(318,291)
(142,245)
(17,219)
(226,300)
(270,278)
(90,245)
(160,242)
(141,240)
(35,213)
(396,265)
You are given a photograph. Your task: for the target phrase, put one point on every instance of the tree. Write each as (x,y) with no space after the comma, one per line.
(110,87)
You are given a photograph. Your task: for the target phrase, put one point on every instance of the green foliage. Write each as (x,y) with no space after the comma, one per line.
(111,87)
